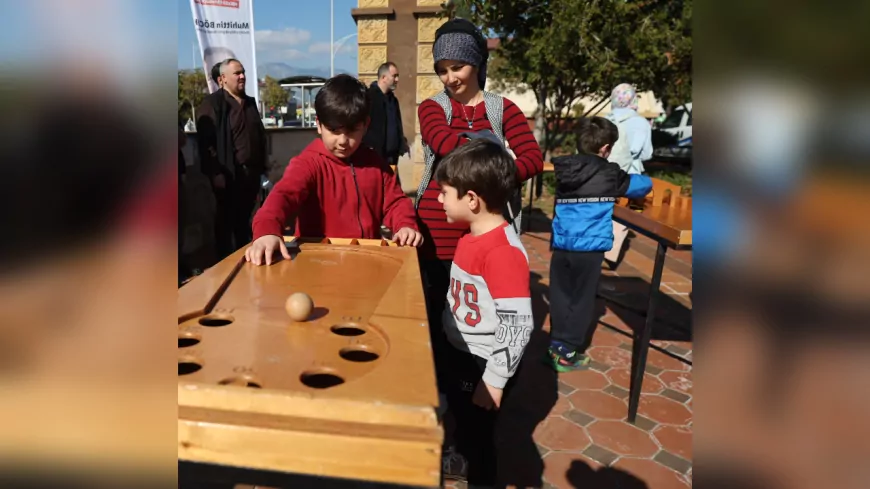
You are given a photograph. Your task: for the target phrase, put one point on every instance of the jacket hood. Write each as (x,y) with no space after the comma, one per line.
(578,169)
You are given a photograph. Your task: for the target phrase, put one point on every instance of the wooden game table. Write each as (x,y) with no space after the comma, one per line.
(348,395)
(666,219)
(670,225)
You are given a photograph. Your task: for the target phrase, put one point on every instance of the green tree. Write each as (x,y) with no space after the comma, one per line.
(273,94)
(565,50)
(192,89)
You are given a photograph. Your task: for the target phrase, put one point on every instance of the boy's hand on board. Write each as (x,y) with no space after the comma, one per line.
(408,237)
(264,248)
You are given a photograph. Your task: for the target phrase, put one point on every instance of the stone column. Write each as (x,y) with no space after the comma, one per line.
(402,31)
(429,20)
(371,23)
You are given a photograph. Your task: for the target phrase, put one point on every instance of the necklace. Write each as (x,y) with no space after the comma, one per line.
(473,113)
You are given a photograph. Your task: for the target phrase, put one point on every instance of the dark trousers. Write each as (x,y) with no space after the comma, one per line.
(458,375)
(574,280)
(474,433)
(182,262)
(394,160)
(235,203)
(436,283)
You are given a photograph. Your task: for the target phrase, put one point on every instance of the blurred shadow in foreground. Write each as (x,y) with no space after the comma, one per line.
(781,290)
(88,204)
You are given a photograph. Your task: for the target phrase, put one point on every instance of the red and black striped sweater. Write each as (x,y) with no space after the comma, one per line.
(443,138)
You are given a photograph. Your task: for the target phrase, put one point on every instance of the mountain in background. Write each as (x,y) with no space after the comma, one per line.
(283,70)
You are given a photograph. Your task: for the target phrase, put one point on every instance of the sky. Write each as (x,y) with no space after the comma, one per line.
(295,32)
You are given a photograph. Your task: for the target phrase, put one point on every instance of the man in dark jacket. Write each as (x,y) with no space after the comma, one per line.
(232,151)
(385,134)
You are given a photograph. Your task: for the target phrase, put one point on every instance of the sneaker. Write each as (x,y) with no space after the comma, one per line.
(453,465)
(565,359)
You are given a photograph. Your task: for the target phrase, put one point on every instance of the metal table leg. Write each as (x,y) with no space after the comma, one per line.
(640,345)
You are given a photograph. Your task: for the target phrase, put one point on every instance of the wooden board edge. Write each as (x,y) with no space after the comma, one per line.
(267,444)
(341,241)
(276,402)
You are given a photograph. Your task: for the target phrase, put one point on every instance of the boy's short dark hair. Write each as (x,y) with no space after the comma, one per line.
(595,132)
(482,166)
(342,103)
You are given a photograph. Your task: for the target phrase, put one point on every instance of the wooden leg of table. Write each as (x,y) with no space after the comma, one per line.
(640,346)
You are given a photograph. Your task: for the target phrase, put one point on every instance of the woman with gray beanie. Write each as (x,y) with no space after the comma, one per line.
(453,117)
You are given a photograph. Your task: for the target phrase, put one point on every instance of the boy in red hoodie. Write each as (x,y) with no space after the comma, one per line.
(335,187)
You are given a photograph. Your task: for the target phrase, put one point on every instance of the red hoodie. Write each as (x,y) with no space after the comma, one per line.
(336,198)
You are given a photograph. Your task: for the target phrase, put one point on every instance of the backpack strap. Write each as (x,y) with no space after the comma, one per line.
(428,155)
(495,114)
(494,105)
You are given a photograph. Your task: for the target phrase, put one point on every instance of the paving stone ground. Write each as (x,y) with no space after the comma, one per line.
(570,430)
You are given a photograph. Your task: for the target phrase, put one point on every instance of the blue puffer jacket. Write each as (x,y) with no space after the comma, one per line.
(587,187)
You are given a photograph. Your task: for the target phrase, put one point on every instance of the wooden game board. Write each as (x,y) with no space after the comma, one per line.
(350,393)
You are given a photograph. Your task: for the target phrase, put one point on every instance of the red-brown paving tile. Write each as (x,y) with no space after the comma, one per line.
(599,405)
(679,287)
(675,439)
(622,438)
(684,345)
(558,433)
(640,262)
(684,255)
(654,475)
(622,378)
(562,406)
(664,362)
(669,277)
(611,355)
(663,410)
(606,337)
(585,379)
(614,321)
(678,381)
(569,470)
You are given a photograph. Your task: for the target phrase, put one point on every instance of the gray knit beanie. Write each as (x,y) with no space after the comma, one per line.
(461,47)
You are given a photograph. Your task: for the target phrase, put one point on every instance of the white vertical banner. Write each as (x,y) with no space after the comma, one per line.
(225,29)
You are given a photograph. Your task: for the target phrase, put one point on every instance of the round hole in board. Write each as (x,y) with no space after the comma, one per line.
(348,330)
(214,321)
(242,382)
(358,354)
(187,341)
(187,367)
(320,380)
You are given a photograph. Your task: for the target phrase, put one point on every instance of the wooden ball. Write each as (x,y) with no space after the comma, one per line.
(299,306)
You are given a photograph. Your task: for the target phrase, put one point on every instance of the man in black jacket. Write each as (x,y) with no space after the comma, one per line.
(232,150)
(385,134)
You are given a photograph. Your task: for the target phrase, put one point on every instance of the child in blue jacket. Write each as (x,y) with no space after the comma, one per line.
(587,187)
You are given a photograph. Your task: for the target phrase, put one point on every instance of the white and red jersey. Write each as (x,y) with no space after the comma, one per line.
(489,306)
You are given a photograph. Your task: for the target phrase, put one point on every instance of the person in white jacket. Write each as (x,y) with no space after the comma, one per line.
(633,147)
